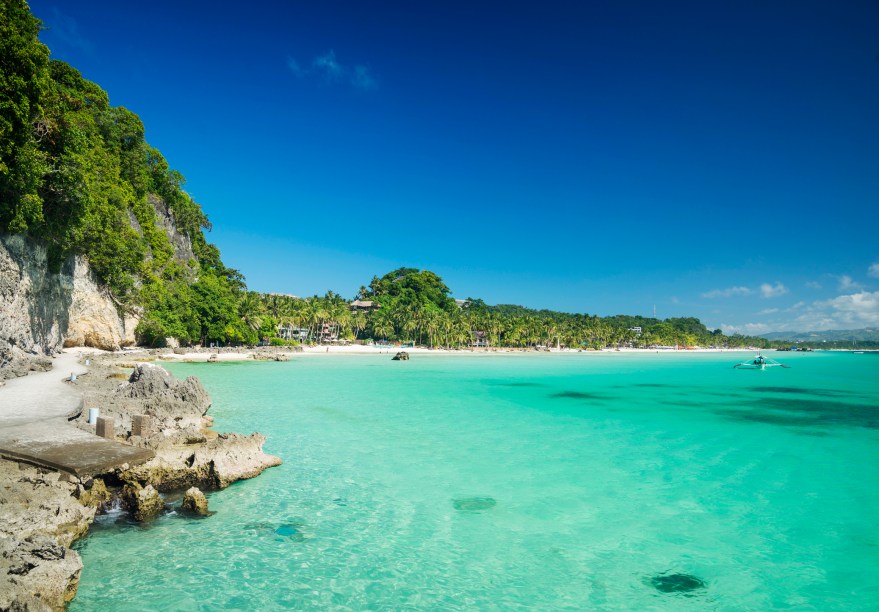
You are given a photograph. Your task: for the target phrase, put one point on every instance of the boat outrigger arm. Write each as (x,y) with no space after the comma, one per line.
(760,363)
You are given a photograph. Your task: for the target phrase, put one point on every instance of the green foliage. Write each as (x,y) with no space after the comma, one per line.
(77,175)
(283,342)
(24,79)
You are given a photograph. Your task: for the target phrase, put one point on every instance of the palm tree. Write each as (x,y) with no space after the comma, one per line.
(251,310)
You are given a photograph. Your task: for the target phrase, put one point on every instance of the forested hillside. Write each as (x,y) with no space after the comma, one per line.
(78,176)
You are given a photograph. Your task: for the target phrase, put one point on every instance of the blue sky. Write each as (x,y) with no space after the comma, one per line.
(718,160)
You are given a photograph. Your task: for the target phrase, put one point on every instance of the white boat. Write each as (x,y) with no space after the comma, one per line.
(759,362)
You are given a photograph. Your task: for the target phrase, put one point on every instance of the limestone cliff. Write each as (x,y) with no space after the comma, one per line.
(41,311)
(94,319)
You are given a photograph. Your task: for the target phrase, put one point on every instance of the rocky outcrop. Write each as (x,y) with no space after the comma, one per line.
(172,403)
(42,514)
(180,242)
(195,502)
(188,453)
(41,519)
(144,503)
(208,462)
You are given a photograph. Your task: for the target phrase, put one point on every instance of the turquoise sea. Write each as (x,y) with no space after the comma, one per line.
(510,481)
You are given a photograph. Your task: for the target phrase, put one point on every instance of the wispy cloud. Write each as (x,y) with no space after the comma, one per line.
(747,329)
(64,29)
(728,292)
(851,311)
(363,79)
(328,68)
(768,311)
(813,285)
(873,270)
(771,291)
(847,284)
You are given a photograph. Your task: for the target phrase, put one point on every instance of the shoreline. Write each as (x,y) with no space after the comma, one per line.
(273,353)
(45,510)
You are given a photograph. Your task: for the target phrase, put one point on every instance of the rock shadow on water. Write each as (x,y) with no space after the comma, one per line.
(806,413)
(681,584)
(473,505)
(805,391)
(580,395)
(513,383)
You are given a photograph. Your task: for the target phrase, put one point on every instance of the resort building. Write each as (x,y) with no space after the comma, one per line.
(365,305)
(478,339)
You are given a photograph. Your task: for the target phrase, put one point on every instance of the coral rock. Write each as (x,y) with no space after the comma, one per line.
(195,502)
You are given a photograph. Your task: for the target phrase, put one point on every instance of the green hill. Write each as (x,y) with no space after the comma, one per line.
(78,177)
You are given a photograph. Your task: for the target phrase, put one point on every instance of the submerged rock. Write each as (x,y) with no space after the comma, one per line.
(676,583)
(292,531)
(474,504)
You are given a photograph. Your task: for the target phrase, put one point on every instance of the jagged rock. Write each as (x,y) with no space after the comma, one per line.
(94,494)
(170,401)
(195,502)
(401,356)
(180,241)
(282,357)
(213,465)
(41,518)
(15,363)
(144,503)
(41,574)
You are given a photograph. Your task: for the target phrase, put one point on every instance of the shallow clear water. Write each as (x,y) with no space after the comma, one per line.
(524,481)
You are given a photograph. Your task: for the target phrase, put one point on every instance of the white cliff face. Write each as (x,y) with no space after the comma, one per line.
(41,311)
(33,303)
(94,319)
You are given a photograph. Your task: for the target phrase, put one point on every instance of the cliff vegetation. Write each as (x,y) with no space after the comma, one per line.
(78,177)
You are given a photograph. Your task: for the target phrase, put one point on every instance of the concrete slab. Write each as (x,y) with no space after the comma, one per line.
(68,449)
(34,426)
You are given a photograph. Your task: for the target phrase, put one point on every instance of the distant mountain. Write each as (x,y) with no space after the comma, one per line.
(868,334)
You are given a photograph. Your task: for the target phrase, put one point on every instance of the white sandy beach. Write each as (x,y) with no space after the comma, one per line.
(236,354)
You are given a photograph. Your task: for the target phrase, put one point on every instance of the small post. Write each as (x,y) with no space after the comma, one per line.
(94,413)
(72,377)
(141,425)
(106,428)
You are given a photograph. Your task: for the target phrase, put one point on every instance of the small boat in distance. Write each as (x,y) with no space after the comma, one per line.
(760,363)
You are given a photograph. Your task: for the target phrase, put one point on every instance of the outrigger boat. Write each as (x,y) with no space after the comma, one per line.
(760,363)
